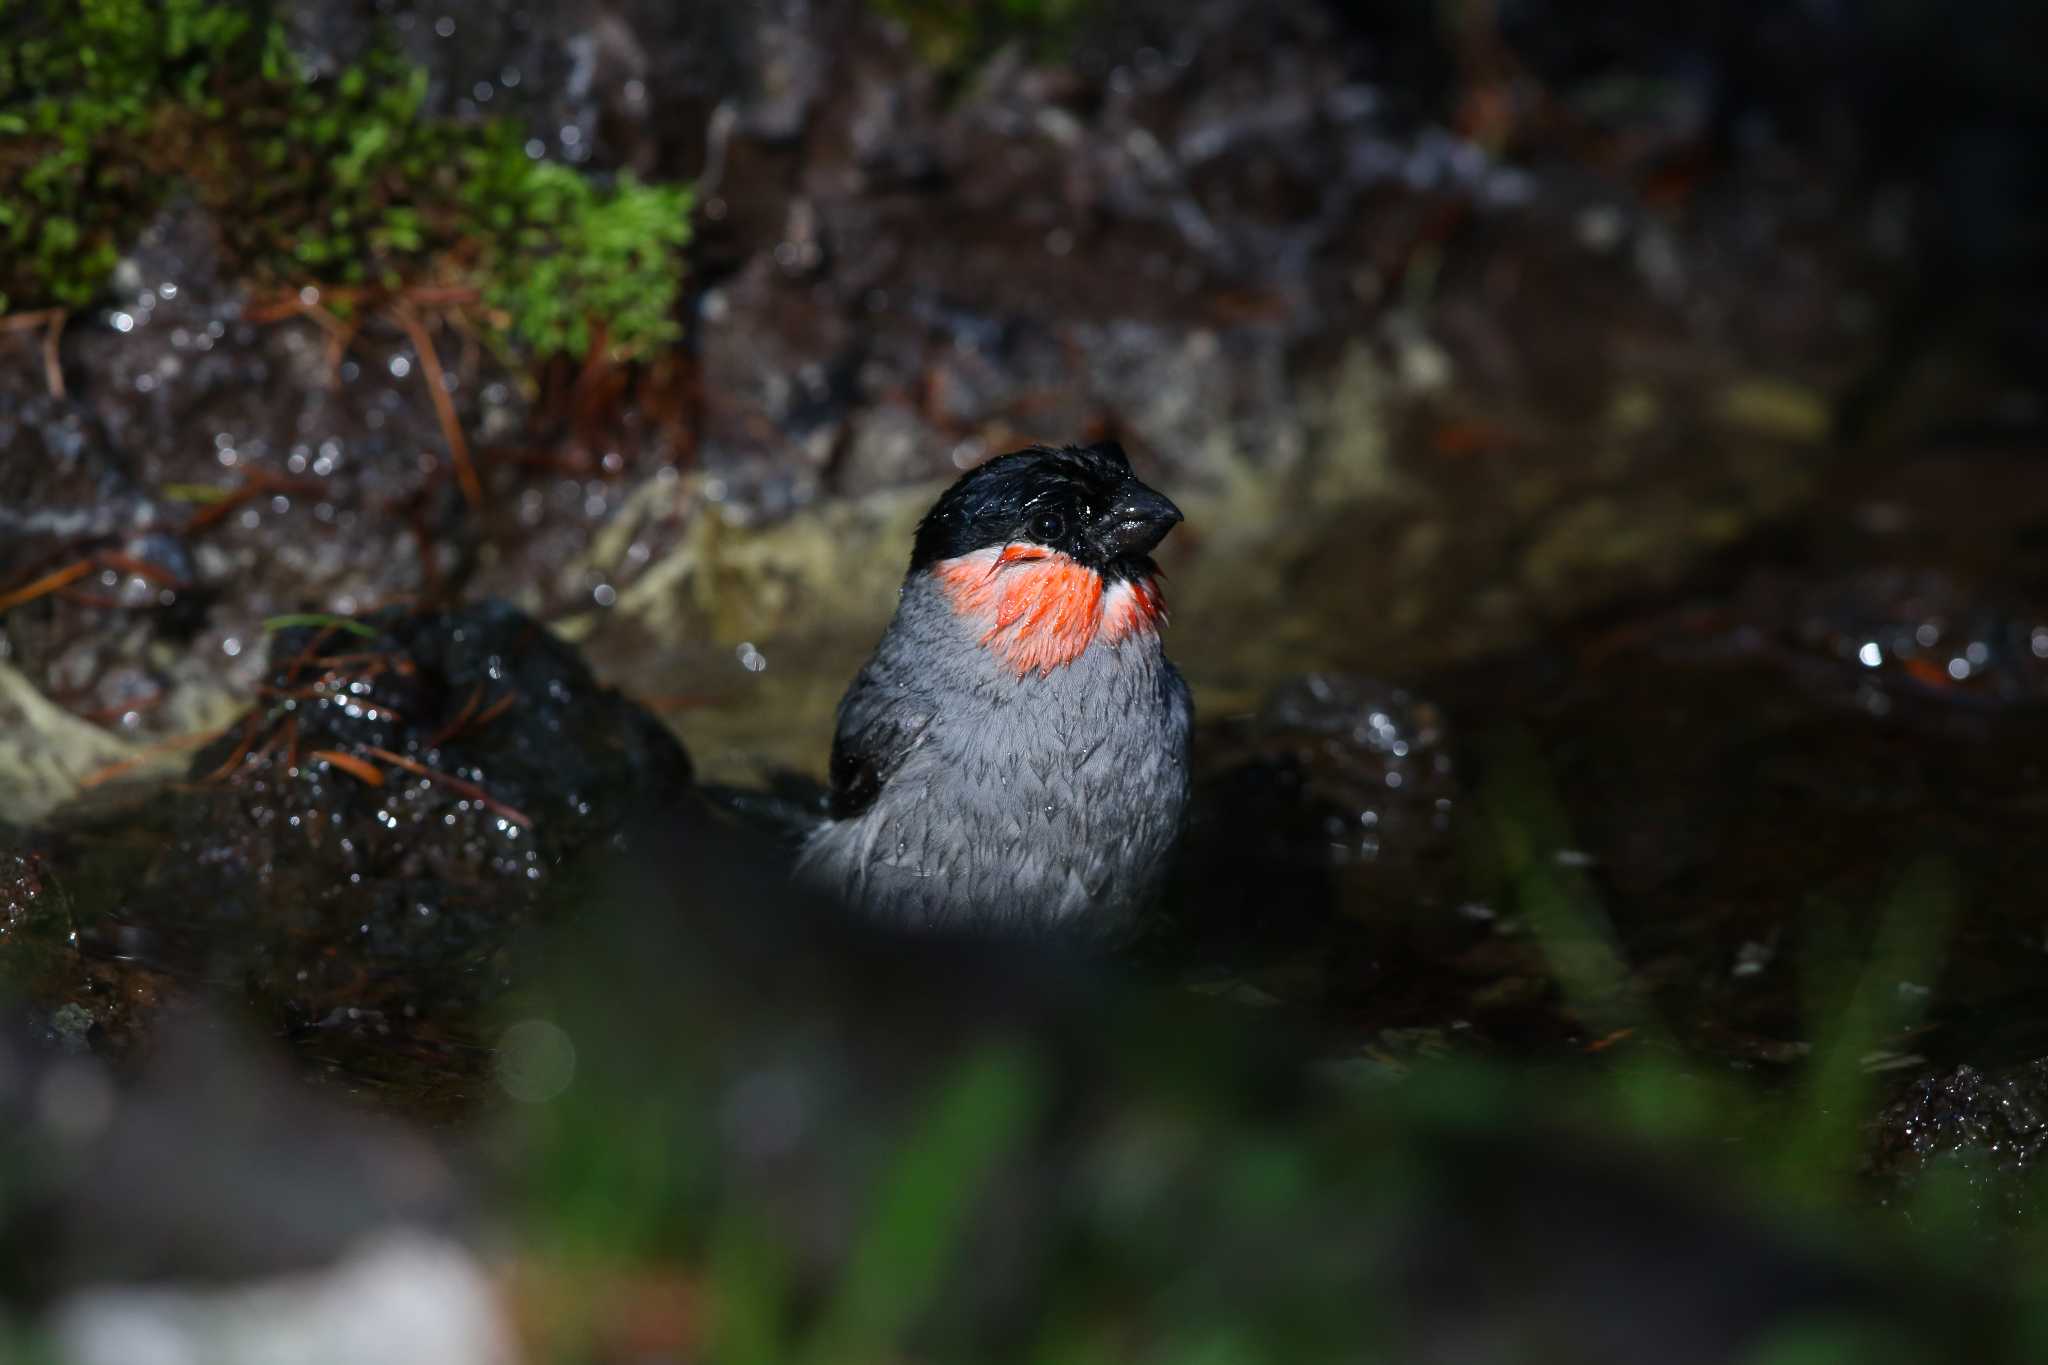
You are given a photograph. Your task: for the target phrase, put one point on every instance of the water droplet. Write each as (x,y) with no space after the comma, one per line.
(536,1061)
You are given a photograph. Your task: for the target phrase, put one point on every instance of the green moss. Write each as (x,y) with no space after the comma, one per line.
(80,85)
(578,258)
(108,106)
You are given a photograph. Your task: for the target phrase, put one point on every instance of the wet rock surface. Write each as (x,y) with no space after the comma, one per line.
(1989,1128)
(1236,239)
(212,1161)
(353,861)
(1321,836)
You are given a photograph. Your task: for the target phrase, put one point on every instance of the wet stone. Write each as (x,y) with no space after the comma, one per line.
(71,513)
(1336,796)
(1367,763)
(62,484)
(1928,633)
(207,1160)
(777,362)
(356,857)
(214,464)
(1877,638)
(1989,1126)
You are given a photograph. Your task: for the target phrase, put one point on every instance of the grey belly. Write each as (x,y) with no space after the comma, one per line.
(1069,834)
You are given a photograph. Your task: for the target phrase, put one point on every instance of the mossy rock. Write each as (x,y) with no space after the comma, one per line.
(342,180)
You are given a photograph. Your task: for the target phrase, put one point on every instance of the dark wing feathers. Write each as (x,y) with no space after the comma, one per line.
(875,734)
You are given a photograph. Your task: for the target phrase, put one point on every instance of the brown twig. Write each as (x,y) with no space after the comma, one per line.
(98,600)
(48,583)
(296,304)
(469,718)
(383,663)
(52,321)
(241,751)
(104,714)
(254,484)
(1603,1043)
(292,302)
(62,579)
(327,687)
(299,661)
(140,568)
(494,710)
(468,789)
(423,537)
(53,368)
(441,296)
(444,406)
(363,772)
(454,727)
(100,776)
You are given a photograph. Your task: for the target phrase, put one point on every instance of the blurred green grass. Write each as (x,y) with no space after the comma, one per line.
(817,1172)
(1187,1226)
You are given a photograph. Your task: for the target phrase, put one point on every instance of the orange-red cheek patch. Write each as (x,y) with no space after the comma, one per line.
(1039,610)
(1131,608)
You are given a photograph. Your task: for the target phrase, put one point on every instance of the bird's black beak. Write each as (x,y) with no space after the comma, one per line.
(1138,521)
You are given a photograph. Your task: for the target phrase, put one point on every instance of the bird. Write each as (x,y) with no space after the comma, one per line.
(1014,755)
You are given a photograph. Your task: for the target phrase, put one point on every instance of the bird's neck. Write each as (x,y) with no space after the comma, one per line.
(1039,609)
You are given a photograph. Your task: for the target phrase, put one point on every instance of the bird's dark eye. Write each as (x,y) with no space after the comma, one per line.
(1048,527)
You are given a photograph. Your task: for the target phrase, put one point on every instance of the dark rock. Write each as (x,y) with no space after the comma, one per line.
(1988,1127)
(215,1163)
(356,858)
(1336,779)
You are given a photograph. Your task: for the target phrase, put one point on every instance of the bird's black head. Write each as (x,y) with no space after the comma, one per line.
(1083,501)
